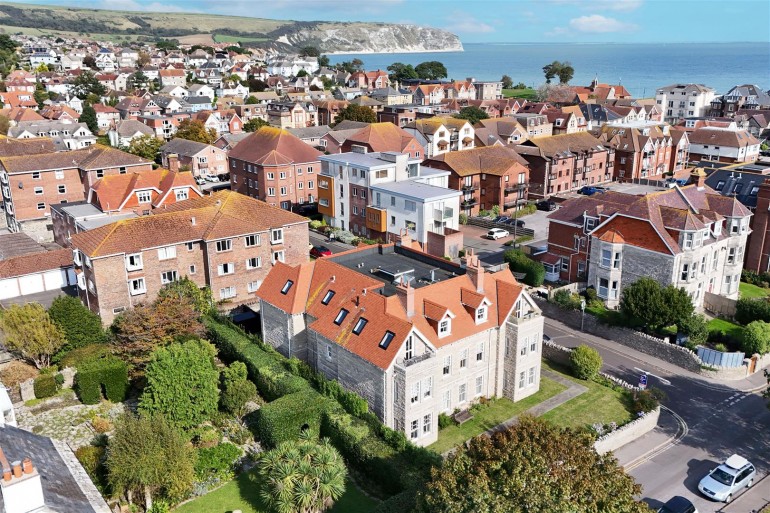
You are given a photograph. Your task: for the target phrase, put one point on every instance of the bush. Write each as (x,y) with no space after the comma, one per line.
(591,294)
(519,262)
(92,458)
(647,400)
(82,354)
(720,347)
(316,225)
(565,299)
(756,338)
(16,372)
(585,361)
(45,386)
(109,372)
(696,328)
(101,425)
(748,310)
(444,421)
(463,218)
(80,325)
(217,462)
(404,501)
(285,418)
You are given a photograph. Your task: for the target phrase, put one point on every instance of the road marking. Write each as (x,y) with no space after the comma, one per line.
(681,432)
(663,381)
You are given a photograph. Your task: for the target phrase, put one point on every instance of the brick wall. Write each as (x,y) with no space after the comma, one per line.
(448,244)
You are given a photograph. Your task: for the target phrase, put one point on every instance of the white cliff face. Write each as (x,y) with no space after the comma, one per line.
(372,38)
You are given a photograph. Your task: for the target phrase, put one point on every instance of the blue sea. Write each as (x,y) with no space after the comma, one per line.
(641,68)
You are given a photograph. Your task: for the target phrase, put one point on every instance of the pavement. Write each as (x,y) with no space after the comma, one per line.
(703,422)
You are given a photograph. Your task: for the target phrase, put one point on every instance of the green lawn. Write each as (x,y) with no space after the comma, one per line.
(750,291)
(243,494)
(597,404)
(527,93)
(222,38)
(489,417)
(729,328)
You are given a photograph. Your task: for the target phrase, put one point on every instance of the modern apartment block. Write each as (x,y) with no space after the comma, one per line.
(226,241)
(680,101)
(416,336)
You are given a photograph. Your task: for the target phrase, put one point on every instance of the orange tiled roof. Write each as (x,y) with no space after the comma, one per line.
(113,190)
(493,160)
(382,137)
(274,146)
(35,263)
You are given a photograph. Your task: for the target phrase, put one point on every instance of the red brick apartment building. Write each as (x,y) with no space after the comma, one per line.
(382,137)
(226,241)
(276,167)
(640,152)
(31,183)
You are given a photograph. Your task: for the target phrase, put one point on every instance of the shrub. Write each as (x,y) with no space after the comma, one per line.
(217,462)
(463,218)
(748,310)
(45,386)
(756,338)
(591,294)
(80,325)
(82,354)
(404,501)
(585,361)
(16,372)
(285,418)
(316,225)
(519,262)
(444,421)
(696,328)
(565,299)
(101,425)
(720,347)
(109,372)
(647,400)
(92,458)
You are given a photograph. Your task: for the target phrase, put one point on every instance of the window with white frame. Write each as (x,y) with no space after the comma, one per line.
(481,314)
(224,245)
(168,277)
(167,253)
(603,288)
(533,344)
(254,263)
(414,429)
(462,393)
(427,387)
(225,269)
(616,260)
(252,240)
(614,289)
(523,351)
(685,274)
(181,194)
(409,349)
(531,377)
(414,395)
(134,262)
(227,292)
(192,269)
(41,206)
(253,286)
(59,174)
(480,352)
(282,175)
(276,236)
(447,365)
(731,255)
(444,327)
(271,191)
(284,191)
(522,379)
(606,257)
(189,246)
(463,358)
(270,176)
(137,286)
(144,196)
(279,256)
(446,400)
(479,385)
(38,191)
(426,423)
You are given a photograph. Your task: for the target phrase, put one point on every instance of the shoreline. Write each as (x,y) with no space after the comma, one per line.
(370,52)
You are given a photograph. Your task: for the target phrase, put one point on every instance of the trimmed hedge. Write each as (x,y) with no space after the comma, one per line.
(45,386)
(217,462)
(748,310)
(519,262)
(110,372)
(284,419)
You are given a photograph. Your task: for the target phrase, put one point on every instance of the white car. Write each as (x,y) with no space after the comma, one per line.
(200,180)
(721,483)
(497,233)
(211,178)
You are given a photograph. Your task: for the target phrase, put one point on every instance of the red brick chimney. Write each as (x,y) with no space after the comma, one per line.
(474,270)
(405,294)
(698,177)
(173,162)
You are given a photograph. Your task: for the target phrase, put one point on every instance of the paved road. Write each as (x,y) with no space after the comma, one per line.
(322,240)
(715,421)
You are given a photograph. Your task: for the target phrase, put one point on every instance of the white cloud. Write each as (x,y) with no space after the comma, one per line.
(557,31)
(464,23)
(598,24)
(604,5)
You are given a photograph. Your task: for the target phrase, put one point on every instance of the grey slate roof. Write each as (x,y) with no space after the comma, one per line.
(129,127)
(183,147)
(310,132)
(738,183)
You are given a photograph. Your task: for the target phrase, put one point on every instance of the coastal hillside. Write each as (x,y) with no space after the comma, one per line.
(286,35)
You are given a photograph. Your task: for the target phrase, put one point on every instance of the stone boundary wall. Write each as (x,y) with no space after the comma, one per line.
(628,433)
(572,288)
(719,305)
(27,388)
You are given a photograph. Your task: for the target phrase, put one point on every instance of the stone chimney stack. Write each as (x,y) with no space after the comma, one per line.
(474,270)
(698,177)
(21,487)
(405,293)
(173,162)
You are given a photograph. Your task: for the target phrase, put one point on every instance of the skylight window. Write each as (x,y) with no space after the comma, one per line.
(359,327)
(327,297)
(340,316)
(387,339)
(286,287)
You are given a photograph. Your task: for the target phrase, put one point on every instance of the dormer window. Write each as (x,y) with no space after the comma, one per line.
(287,287)
(481,314)
(717,229)
(341,316)
(590,223)
(327,297)
(359,327)
(444,327)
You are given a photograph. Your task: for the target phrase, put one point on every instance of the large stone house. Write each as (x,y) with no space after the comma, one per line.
(415,336)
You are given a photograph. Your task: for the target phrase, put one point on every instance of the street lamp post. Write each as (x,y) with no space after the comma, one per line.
(582,312)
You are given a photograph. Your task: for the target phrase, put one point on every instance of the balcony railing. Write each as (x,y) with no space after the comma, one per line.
(515,187)
(470,188)
(468,203)
(440,215)
(418,359)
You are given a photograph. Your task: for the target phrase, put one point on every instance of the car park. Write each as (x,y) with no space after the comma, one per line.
(200,180)
(320,251)
(546,205)
(211,178)
(497,233)
(724,481)
(678,504)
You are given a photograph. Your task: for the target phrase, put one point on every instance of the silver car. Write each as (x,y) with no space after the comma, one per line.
(721,483)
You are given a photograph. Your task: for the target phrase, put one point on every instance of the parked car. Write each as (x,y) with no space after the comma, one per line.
(501,219)
(587,190)
(211,178)
(724,481)
(497,233)
(546,338)
(546,205)
(320,251)
(515,222)
(678,504)
(200,180)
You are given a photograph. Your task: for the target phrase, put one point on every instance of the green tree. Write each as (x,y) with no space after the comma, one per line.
(29,332)
(323,61)
(431,70)
(550,71)
(309,51)
(355,112)
(302,476)
(507,82)
(678,303)
(472,113)
(166,45)
(530,467)
(40,96)
(642,301)
(256,85)
(137,80)
(756,338)
(251,100)
(139,331)
(563,70)
(302,73)
(586,362)
(7,44)
(80,326)
(400,72)
(182,383)
(146,146)
(147,454)
(200,297)
(88,116)
(143,59)
(237,390)
(254,124)
(89,62)
(195,130)
(87,84)
(696,329)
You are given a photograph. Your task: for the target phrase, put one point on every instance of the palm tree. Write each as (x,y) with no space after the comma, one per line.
(302,476)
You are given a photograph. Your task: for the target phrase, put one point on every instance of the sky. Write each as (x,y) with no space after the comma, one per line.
(478,21)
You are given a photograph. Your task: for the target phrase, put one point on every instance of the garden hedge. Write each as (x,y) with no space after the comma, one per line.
(109,372)
(45,386)
(748,310)
(284,419)
(519,262)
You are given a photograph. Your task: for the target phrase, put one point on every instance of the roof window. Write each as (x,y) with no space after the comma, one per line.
(387,339)
(327,297)
(341,316)
(359,327)
(287,287)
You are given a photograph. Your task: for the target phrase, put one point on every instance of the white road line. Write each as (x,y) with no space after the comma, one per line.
(682,431)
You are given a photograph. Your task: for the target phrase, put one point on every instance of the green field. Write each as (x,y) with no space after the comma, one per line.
(527,93)
(221,38)
(599,404)
(243,493)
(489,417)
(750,291)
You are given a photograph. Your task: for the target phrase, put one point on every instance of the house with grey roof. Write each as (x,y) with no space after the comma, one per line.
(126,131)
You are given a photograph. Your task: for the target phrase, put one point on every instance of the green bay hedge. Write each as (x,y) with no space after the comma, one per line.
(109,372)
(285,418)
(519,262)
(45,386)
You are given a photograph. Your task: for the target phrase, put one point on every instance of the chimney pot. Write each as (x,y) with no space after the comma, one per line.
(6,475)
(26,466)
(16,465)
